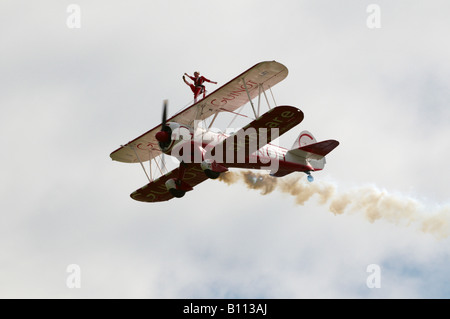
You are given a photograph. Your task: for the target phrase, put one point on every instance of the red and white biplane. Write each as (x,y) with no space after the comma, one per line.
(204,154)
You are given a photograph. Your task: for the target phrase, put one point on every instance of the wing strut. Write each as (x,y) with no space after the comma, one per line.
(259,98)
(214,118)
(249,98)
(272,95)
(150,164)
(265,95)
(163,164)
(235,114)
(134,150)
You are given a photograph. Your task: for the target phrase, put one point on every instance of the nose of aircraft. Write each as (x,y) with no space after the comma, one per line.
(162,136)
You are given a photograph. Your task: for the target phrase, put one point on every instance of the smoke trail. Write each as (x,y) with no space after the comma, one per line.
(253,181)
(374,203)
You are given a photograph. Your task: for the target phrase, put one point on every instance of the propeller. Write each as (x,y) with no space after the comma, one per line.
(163,136)
(164,116)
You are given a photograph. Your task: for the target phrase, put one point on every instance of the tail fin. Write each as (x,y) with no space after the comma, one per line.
(306,147)
(305,138)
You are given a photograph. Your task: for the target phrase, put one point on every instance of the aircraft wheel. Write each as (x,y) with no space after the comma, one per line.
(211,174)
(177,192)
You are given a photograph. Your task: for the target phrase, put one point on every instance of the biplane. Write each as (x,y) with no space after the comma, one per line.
(204,154)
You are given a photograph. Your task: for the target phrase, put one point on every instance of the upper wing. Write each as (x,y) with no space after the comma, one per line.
(143,148)
(258,133)
(229,97)
(233,95)
(156,191)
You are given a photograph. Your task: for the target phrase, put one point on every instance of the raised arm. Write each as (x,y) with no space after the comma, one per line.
(191,77)
(209,81)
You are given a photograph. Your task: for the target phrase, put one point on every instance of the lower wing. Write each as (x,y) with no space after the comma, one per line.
(156,191)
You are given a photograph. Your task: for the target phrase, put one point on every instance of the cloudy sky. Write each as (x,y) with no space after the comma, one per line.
(70,96)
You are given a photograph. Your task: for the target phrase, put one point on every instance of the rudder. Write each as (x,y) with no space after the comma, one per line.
(306,147)
(304,138)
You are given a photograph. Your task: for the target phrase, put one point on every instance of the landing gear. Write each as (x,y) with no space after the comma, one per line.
(178,193)
(176,186)
(212,169)
(211,174)
(310,177)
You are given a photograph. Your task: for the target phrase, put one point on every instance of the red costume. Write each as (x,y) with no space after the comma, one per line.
(198,86)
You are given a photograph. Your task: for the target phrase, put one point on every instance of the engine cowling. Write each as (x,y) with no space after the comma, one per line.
(171,134)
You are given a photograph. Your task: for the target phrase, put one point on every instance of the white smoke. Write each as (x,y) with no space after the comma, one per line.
(374,203)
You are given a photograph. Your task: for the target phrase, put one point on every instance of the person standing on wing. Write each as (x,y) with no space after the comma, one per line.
(198,86)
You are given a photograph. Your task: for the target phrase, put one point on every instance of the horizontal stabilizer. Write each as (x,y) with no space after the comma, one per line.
(316,150)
